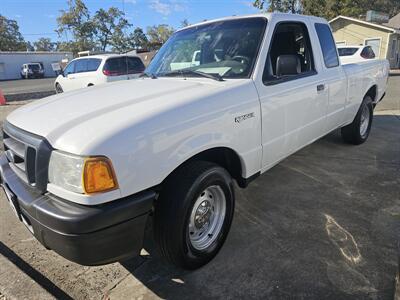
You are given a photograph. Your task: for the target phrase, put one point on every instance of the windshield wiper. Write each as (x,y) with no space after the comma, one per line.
(151,75)
(183,72)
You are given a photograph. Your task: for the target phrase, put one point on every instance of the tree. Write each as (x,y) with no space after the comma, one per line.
(76,21)
(185,23)
(10,37)
(44,44)
(293,6)
(158,35)
(138,39)
(329,9)
(109,27)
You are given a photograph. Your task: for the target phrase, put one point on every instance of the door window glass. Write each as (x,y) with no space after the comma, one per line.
(93,64)
(70,68)
(81,65)
(290,45)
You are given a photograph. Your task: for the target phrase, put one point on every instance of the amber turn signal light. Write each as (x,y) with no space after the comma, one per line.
(98,175)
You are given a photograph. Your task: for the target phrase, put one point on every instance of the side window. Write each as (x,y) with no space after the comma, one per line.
(93,64)
(327,44)
(371,52)
(70,68)
(135,65)
(81,65)
(290,55)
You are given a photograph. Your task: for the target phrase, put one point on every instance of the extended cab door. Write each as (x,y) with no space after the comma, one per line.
(292,93)
(333,76)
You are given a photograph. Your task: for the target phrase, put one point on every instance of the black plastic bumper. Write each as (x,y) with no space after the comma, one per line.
(88,235)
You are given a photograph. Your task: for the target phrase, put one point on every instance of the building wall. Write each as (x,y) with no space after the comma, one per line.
(11,62)
(393,54)
(356,33)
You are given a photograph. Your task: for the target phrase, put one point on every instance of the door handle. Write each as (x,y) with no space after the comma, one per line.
(320,87)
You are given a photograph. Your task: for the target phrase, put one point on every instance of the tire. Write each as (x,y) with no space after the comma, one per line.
(59,89)
(199,191)
(358,131)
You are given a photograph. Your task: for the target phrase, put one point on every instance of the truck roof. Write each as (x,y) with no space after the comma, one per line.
(269,16)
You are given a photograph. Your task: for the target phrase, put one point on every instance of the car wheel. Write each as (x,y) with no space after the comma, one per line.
(193,214)
(59,89)
(358,131)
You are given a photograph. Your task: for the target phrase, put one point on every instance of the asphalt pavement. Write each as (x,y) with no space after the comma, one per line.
(322,224)
(22,86)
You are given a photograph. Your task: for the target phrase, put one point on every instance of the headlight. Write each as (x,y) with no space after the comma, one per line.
(81,174)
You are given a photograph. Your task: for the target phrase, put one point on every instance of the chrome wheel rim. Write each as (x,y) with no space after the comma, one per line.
(365,115)
(207,217)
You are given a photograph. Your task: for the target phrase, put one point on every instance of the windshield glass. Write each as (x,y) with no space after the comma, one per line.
(34,67)
(347,51)
(227,48)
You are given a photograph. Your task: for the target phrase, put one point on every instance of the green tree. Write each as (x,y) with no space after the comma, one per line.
(10,37)
(185,23)
(109,27)
(76,21)
(44,44)
(158,35)
(292,6)
(138,39)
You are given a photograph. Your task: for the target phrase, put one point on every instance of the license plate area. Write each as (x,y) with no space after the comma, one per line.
(12,200)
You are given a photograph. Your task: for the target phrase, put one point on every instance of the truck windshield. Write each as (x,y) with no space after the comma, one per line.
(227,49)
(34,67)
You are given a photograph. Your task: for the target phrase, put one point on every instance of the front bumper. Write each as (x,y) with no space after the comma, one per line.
(88,235)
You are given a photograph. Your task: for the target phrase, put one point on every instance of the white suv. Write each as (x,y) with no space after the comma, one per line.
(98,69)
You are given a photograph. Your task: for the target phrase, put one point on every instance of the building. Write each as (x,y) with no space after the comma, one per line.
(11,62)
(384,40)
(394,22)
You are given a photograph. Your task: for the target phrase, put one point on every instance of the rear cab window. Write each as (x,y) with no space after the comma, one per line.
(328,46)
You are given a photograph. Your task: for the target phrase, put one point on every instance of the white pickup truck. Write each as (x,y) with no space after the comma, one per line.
(86,170)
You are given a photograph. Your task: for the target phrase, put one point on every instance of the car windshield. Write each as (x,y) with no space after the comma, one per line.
(225,49)
(34,67)
(347,51)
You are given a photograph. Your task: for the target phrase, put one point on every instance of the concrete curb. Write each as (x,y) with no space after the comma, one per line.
(28,96)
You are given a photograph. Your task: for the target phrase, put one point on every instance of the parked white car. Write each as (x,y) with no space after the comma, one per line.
(32,70)
(98,69)
(87,173)
(353,54)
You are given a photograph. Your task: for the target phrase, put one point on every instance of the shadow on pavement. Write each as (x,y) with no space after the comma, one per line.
(35,275)
(322,224)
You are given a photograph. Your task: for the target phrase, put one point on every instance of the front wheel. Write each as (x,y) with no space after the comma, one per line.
(59,89)
(193,214)
(358,131)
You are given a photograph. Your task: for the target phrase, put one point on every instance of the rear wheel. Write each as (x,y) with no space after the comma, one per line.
(358,131)
(193,214)
(59,88)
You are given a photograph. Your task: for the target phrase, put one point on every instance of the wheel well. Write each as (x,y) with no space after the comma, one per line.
(225,157)
(372,93)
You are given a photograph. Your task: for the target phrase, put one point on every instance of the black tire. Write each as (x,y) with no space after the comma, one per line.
(352,133)
(174,207)
(59,89)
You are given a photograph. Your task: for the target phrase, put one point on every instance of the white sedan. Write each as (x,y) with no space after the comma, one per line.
(350,54)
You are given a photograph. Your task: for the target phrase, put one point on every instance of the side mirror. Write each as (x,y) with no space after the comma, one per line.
(288,65)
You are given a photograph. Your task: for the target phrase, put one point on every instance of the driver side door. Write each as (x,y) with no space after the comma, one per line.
(293,104)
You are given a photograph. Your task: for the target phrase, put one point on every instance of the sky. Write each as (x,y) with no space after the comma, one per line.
(37,18)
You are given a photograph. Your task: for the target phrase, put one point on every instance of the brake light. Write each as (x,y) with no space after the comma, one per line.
(112,73)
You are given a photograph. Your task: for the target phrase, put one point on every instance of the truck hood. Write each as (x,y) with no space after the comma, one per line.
(95,111)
